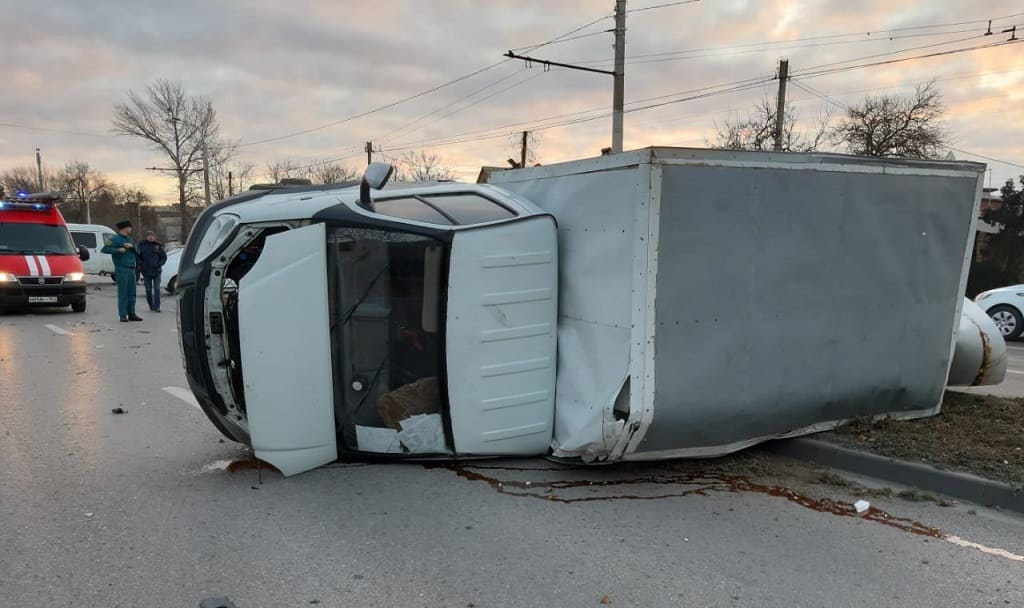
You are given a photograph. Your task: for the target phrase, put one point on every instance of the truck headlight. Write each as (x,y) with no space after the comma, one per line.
(6,277)
(219,230)
(74,277)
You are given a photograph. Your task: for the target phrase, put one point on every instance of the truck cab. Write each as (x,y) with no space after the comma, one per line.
(318,321)
(39,263)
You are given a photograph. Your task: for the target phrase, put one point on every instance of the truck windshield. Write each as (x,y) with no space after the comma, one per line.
(20,238)
(385,301)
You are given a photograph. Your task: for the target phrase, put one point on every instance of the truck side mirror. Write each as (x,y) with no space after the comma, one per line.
(83,253)
(376,176)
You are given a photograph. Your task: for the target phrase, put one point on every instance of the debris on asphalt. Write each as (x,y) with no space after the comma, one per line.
(88,514)
(117,410)
(861,506)
(607,599)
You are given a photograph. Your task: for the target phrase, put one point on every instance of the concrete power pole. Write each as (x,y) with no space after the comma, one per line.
(369,153)
(39,169)
(780,108)
(231,181)
(618,92)
(206,172)
(522,149)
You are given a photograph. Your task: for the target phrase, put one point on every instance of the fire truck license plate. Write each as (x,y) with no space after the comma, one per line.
(42,299)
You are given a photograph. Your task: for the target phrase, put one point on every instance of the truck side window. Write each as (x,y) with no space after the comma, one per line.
(468,209)
(410,209)
(84,238)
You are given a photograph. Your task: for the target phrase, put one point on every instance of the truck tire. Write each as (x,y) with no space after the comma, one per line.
(78,305)
(1008,319)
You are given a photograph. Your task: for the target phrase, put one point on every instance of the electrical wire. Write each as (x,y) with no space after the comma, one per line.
(11,125)
(666,5)
(809,72)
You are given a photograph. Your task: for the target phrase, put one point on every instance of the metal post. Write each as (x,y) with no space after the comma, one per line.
(39,169)
(522,151)
(780,108)
(206,171)
(618,92)
(369,153)
(231,191)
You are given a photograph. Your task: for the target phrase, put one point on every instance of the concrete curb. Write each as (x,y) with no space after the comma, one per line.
(964,486)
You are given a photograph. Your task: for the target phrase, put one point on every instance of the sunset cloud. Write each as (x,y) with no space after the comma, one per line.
(273,68)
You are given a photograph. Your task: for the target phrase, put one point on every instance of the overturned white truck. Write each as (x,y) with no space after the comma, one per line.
(658,303)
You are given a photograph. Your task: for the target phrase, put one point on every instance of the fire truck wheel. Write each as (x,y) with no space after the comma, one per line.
(78,305)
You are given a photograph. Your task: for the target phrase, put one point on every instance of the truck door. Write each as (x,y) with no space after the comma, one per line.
(500,337)
(286,352)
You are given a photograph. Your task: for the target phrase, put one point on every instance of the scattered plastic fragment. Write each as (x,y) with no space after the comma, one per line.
(861,506)
(117,410)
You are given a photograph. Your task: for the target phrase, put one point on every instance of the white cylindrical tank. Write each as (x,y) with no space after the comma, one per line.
(980,354)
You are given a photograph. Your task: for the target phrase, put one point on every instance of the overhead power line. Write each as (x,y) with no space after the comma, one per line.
(416,95)
(11,125)
(656,6)
(775,43)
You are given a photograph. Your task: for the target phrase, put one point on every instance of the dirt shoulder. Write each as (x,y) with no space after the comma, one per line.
(978,434)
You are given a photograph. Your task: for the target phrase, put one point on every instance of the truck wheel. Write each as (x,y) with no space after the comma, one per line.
(78,305)
(1008,319)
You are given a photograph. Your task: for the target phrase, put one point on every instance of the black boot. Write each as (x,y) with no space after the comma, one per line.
(134,317)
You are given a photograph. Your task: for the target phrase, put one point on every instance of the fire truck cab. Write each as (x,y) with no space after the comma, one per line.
(39,263)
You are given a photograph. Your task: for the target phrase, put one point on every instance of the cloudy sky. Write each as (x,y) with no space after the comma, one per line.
(275,68)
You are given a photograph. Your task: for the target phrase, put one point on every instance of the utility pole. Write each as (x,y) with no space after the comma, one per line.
(522,149)
(780,108)
(206,171)
(39,169)
(618,74)
(369,153)
(231,191)
(618,90)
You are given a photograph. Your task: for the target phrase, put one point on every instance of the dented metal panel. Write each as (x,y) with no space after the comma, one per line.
(715,299)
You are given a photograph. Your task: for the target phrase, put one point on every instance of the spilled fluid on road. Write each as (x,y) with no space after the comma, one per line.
(666,485)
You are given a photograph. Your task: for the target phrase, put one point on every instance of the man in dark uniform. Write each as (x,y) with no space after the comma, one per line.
(151,261)
(122,250)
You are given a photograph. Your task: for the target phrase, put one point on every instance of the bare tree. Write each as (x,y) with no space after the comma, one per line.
(422,166)
(174,123)
(332,173)
(896,126)
(25,179)
(82,185)
(281,169)
(757,131)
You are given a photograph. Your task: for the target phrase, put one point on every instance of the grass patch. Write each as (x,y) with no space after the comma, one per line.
(979,434)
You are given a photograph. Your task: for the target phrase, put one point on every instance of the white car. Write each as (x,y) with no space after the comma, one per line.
(1006,307)
(169,276)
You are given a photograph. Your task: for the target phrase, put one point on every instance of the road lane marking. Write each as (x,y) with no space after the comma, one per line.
(183,394)
(1013,371)
(57,330)
(956,540)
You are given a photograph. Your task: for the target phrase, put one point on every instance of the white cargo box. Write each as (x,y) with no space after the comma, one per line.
(710,300)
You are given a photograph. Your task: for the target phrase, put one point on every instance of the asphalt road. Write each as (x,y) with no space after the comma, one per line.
(147,509)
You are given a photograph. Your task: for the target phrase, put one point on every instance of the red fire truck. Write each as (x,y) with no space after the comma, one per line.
(39,264)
